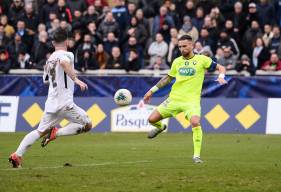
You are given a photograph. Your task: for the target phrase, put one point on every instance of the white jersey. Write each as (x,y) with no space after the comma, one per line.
(61,87)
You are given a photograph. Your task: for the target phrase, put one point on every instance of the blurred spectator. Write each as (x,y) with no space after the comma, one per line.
(239,19)
(40,48)
(149,7)
(188,29)
(252,14)
(91,15)
(159,20)
(159,64)
(5,63)
(202,50)
(71,45)
(266,12)
(110,42)
(198,20)
(136,30)
(86,61)
(171,7)
(209,24)
(228,60)
(77,22)
(4,40)
(76,5)
(64,12)
(133,45)
(9,30)
(250,36)
(268,34)
(23,60)
(132,8)
(132,63)
(15,12)
(108,25)
(260,53)
(120,14)
(30,19)
(206,40)
(230,30)
(86,45)
(115,59)
(165,31)
(97,2)
(274,43)
(143,21)
(157,48)
(173,50)
(246,64)
(215,14)
(188,9)
(92,31)
(50,7)
(274,64)
(53,27)
(65,26)
(26,36)
(101,56)
(219,54)
(226,41)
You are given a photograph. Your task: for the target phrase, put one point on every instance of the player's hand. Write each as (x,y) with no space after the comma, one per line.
(221,81)
(83,86)
(147,96)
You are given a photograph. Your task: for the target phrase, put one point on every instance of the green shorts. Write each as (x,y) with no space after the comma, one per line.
(170,108)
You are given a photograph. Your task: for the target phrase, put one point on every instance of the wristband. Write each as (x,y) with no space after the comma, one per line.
(221,75)
(154,89)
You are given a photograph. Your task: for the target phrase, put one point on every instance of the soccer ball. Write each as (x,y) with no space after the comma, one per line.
(123,97)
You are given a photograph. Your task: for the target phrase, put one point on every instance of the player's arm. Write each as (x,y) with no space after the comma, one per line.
(162,83)
(221,76)
(71,73)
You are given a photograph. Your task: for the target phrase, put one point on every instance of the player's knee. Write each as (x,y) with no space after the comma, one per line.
(195,121)
(151,120)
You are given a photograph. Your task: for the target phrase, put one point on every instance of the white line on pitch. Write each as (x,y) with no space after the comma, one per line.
(79,165)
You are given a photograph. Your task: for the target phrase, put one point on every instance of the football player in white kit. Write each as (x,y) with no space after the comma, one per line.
(59,73)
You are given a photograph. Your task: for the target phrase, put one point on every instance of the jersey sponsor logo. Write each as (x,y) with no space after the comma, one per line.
(187,71)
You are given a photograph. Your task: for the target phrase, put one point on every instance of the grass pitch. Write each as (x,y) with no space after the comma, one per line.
(130,163)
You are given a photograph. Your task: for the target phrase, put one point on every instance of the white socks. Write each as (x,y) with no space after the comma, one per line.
(70,129)
(27,141)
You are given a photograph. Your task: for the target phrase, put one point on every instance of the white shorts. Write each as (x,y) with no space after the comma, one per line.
(73,114)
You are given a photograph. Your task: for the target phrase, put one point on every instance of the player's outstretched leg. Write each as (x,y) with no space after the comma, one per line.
(155,120)
(16,158)
(70,129)
(197,138)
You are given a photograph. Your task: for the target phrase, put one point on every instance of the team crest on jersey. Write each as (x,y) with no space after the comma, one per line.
(194,62)
(186,63)
(187,71)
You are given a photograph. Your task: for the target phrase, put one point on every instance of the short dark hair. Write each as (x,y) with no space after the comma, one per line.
(185,37)
(60,35)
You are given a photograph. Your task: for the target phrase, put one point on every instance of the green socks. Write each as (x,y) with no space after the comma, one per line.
(158,124)
(197,140)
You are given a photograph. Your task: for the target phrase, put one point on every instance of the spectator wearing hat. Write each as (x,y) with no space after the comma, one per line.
(188,29)
(273,64)
(252,14)
(245,64)
(5,63)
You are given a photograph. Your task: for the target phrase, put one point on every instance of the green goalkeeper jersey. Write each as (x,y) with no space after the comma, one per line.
(189,74)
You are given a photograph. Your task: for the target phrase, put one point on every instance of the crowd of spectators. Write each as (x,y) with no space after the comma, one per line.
(141,34)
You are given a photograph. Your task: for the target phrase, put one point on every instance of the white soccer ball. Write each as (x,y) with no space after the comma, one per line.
(123,97)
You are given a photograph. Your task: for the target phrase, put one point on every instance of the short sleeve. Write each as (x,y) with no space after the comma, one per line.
(207,61)
(66,58)
(173,71)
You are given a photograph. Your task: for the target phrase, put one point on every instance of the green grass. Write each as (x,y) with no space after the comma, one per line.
(130,162)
